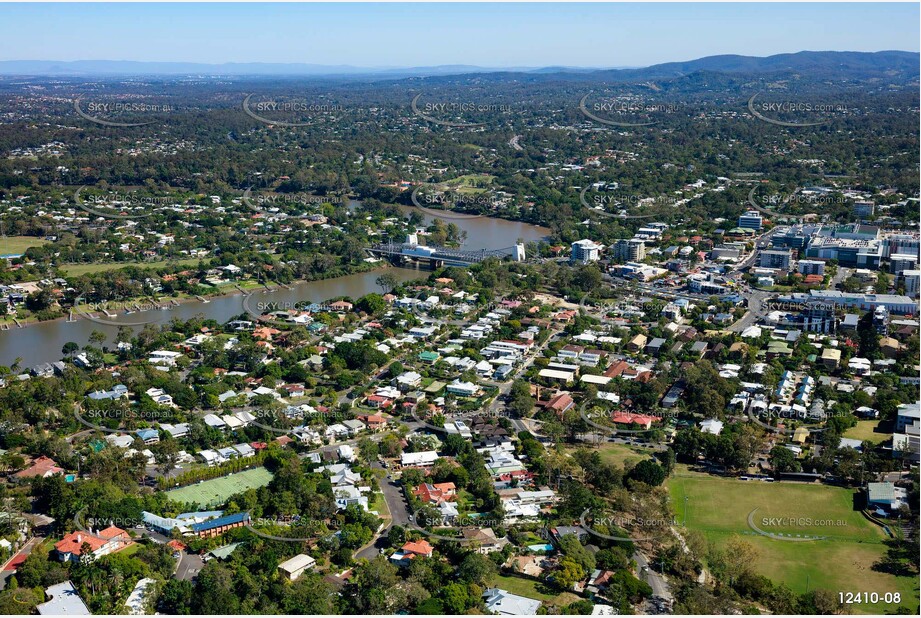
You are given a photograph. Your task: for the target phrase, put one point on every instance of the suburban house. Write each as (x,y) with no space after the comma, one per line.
(436,493)
(42,467)
(410,551)
(421,459)
(483,540)
(103,543)
(295,567)
(64,600)
(498,601)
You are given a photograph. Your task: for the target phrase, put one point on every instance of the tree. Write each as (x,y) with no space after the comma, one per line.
(521,402)
(372,304)
(647,471)
(477,569)
(387,282)
(783,460)
(69,349)
(568,574)
(367,449)
(456,598)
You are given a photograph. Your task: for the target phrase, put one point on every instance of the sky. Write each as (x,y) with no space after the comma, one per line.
(415,35)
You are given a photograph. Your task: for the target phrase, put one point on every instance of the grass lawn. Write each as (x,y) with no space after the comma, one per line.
(131,549)
(620,454)
(527,588)
(866,431)
(380,505)
(719,509)
(216,491)
(75,270)
(15,245)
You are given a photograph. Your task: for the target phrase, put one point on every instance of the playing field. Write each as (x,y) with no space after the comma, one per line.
(16,245)
(841,562)
(216,491)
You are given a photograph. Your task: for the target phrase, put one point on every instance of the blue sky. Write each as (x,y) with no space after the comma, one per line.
(377,35)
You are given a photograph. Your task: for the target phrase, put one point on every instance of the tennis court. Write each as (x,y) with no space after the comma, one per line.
(216,491)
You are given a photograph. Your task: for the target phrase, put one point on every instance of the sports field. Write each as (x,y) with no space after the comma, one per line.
(216,491)
(841,562)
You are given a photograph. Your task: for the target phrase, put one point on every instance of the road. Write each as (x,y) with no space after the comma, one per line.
(655,580)
(756,308)
(399,514)
(13,563)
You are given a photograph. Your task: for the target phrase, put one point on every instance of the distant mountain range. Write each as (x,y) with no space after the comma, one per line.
(896,65)
(128,67)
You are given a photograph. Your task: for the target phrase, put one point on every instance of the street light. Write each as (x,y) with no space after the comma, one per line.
(685,511)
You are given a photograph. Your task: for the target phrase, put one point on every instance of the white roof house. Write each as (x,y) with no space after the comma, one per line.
(65,601)
(505,603)
(423,458)
(213,420)
(711,425)
(120,440)
(295,567)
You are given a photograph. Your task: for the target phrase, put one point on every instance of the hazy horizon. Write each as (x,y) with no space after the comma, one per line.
(402,35)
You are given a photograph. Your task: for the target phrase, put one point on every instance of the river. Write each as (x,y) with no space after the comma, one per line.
(42,342)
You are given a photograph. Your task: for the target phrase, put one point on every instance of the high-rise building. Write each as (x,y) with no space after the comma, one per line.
(585,251)
(912,279)
(630,250)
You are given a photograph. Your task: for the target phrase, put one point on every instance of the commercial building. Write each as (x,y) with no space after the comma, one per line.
(220,525)
(751,220)
(899,262)
(811,267)
(775,258)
